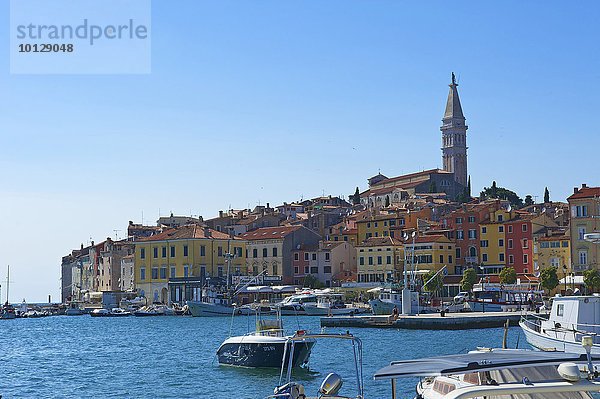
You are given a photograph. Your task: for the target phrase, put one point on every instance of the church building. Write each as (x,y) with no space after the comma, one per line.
(451,180)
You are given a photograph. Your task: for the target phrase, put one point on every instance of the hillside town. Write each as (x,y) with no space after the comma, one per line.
(424,221)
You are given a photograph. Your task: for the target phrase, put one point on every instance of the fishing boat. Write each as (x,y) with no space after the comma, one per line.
(508,373)
(74,309)
(332,304)
(388,298)
(495,297)
(570,318)
(331,385)
(212,303)
(264,347)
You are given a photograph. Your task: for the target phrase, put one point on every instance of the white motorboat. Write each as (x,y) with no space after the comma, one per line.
(115,312)
(295,305)
(264,347)
(154,310)
(570,318)
(388,298)
(331,385)
(212,303)
(332,304)
(509,373)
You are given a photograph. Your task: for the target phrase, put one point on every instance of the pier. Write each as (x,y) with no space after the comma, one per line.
(430,321)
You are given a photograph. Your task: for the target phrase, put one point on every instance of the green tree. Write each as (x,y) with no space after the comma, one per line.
(469,187)
(508,275)
(528,200)
(387,201)
(356,197)
(432,186)
(311,281)
(591,279)
(549,278)
(502,193)
(546,196)
(434,285)
(469,279)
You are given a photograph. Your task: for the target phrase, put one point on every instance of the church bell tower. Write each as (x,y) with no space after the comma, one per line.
(454,137)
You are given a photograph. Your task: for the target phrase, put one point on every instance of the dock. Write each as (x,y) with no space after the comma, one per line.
(430,321)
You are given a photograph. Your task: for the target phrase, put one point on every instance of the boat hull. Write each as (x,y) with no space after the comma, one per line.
(262,354)
(321,311)
(201,309)
(545,342)
(379,307)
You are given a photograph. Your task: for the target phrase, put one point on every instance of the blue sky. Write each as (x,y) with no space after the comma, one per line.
(271,101)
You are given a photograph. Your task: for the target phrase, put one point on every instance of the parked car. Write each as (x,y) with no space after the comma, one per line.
(461,297)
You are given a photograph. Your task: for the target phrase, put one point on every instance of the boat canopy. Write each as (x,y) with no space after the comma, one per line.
(483,360)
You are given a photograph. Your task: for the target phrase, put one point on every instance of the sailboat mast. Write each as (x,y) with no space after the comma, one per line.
(7,281)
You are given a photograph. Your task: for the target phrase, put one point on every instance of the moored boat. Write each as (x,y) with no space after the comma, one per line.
(212,303)
(388,298)
(332,304)
(570,319)
(494,297)
(154,310)
(516,373)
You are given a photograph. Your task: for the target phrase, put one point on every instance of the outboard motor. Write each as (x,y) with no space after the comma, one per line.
(331,385)
(294,389)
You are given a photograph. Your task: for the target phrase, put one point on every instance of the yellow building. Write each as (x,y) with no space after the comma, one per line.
(430,252)
(585,219)
(493,240)
(391,224)
(189,252)
(378,260)
(553,251)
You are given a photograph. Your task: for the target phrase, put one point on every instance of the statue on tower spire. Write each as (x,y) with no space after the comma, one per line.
(453,80)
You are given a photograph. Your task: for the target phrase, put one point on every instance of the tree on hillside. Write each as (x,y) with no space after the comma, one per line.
(432,186)
(591,279)
(434,285)
(528,200)
(546,196)
(549,278)
(469,279)
(508,275)
(356,197)
(502,193)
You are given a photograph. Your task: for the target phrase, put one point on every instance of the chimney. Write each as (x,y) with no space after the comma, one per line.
(583,185)
(220,214)
(131,222)
(92,243)
(82,246)
(268,206)
(575,190)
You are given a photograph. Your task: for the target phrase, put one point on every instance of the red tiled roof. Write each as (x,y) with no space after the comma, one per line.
(269,233)
(188,231)
(586,192)
(379,241)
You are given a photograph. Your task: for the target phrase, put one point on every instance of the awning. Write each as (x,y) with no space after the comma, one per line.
(572,280)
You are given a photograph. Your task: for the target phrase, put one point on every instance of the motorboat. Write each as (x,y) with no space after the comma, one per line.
(264,347)
(154,310)
(332,304)
(133,304)
(114,312)
(509,373)
(494,297)
(295,305)
(331,385)
(388,298)
(74,309)
(212,303)
(570,318)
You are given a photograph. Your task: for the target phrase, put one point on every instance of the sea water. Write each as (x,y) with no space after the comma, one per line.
(174,357)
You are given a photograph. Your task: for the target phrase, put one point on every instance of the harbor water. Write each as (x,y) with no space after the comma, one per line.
(174,357)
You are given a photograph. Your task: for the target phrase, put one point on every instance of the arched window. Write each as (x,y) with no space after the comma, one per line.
(472,251)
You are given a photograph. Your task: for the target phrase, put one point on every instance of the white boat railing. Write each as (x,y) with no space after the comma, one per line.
(534,322)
